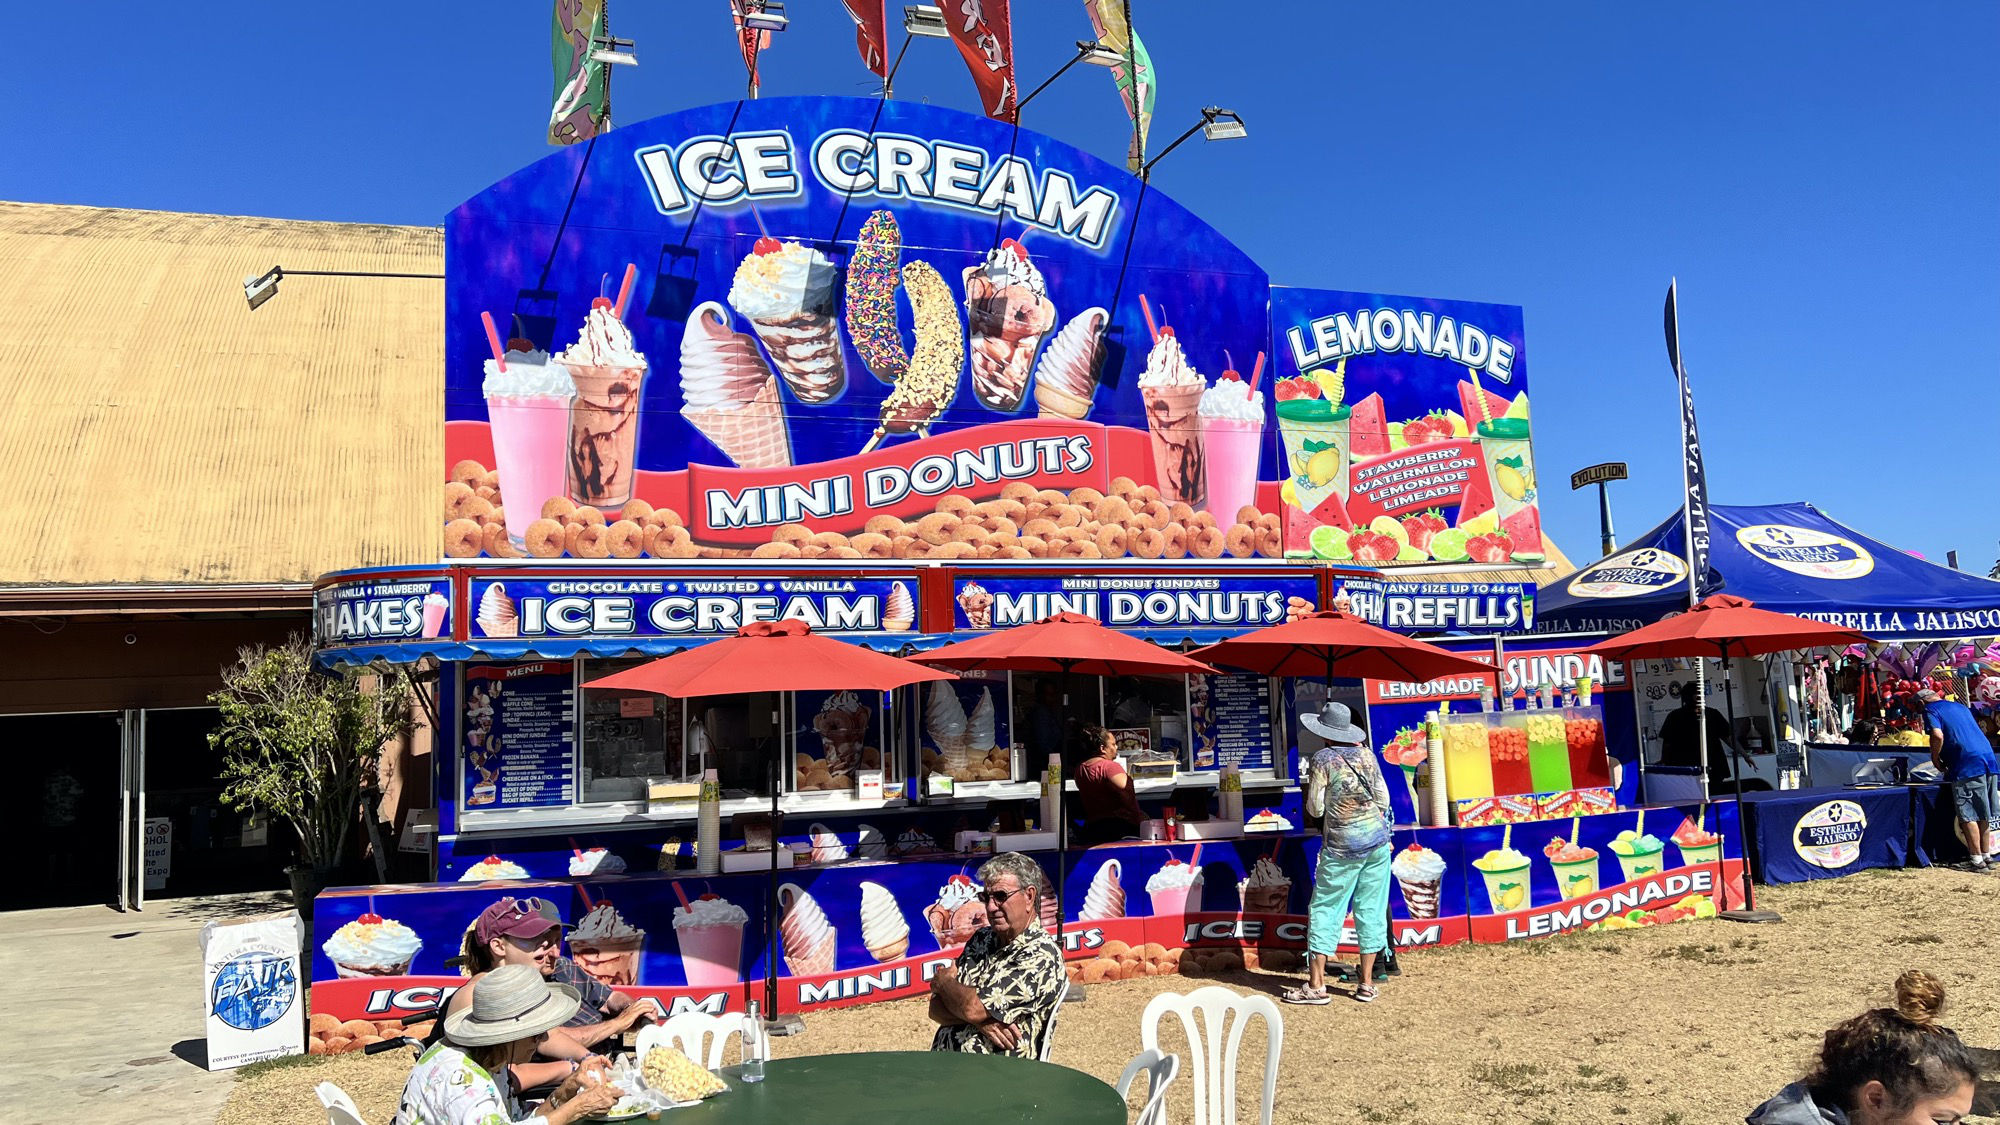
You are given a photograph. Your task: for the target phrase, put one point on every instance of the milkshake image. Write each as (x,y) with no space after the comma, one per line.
(1232,439)
(604,417)
(605,947)
(785,290)
(1106,896)
(884,930)
(1266,890)
(1638,853)
(1066,379)
(1172,391)
(1172,886)
(729,394)
(1575,867)
(436,605)
(977,604)
(808,936)
(493,867)
(497,617)
(1510,467)
(899,612)
(1506,873)
(1420,872)
(595,861)
(1008,312)
(372,946)
(709,930)
(956,915)
(527,411)
(1697,845)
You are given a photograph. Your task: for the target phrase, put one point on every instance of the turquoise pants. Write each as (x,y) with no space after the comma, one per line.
(1362,883)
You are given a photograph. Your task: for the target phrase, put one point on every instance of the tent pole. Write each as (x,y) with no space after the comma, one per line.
(1749,913)
(1076,990)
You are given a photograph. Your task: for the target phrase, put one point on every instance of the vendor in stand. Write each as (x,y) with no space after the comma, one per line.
(528,931)
(1104,789)
(1680,739)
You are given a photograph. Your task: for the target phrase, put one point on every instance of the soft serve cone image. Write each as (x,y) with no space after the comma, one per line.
(1420,872)
(1008,312)
(872,844)
(1506,873)
(729,394)
(372,946)
(977,604)
(1697,845)
(944,721)
(956,915)
(609,374)
(884,930)
(979,726)
(826,845)
(1173,886)
(710,932)
(1266,890)
(1232,442)
(899,611)
(842,726)
(497,616)
(528,417)
(808,936)
(1575,867)
(1638,853)
(1066,378)
(1172,391)
(786,291)
(605,946)
(1106,896)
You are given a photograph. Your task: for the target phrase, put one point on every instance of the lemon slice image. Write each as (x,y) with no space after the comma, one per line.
(1387,525)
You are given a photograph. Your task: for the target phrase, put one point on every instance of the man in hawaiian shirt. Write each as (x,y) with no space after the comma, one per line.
(1002,993)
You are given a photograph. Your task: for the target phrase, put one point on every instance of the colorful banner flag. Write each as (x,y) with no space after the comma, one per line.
(1696,477)
(985,36)
(750,40)
(1134,74)
(871,33)
(583,86)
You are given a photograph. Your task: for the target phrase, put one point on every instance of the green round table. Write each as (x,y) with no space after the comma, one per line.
(868,1089)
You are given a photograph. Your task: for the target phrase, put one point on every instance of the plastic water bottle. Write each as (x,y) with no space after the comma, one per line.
(753,1047)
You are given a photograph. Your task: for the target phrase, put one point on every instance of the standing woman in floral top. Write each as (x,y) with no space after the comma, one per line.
(1345,793)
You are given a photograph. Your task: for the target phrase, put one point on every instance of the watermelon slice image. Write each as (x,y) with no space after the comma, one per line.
(1299,525)
(1525,529)
(1468,400)
(1478,498)
(1367,432)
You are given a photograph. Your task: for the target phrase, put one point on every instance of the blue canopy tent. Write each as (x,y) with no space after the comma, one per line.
(1791,558)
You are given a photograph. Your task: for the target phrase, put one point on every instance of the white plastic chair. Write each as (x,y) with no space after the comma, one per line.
(1048,1042)
(340,1109)
(1214,1042)
(1162,1070)
(700,1036)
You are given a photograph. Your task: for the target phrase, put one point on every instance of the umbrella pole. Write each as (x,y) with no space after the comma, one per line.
(788,1024)
(1749,913)
(1076,990)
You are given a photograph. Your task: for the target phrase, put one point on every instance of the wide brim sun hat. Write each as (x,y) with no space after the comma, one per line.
(1334,724)
(511,1002)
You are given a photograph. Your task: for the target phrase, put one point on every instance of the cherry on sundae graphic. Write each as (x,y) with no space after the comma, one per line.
(956,915)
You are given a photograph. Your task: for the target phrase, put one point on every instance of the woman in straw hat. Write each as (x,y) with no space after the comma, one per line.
(1346,794)
(462,1079)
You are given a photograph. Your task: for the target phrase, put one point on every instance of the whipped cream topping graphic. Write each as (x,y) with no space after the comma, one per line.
(972,593)
(957,893)
(528,373)
(944,715)
(709,911)
(1073,357)
(915,840)
(1173,876)
(604,923)
(1106,897)
(882,921)
(784,283)
(373,945)
(595,861)
(805,926)
(840,702)
(1167,367)
(437,599)
(1004,266)
(1264,873)
(1234,400)
(493,867)
(604,342)
(721,369)
(979,724)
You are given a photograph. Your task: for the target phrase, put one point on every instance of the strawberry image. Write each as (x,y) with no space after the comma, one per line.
(1370,546)
(1494,547)
(1434,519)
(1299,386)
(1420,532)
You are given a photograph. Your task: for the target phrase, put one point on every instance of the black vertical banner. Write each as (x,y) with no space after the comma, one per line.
(1695,518)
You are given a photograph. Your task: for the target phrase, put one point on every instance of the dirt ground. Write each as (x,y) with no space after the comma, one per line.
(1696,1022)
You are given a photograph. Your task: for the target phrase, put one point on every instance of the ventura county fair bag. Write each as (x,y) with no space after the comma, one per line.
(250,988)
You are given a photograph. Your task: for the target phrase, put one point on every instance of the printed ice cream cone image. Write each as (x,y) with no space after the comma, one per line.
(497,617)
(1008,311)
(1066,379)
(842,725)
(945,722)
(977,604)
(929,385)
(1575,867)
(884,930)
(1697,845)
(1506,873)
(956,915)
(871,297)
(372,946)
(1266,890)
(786,291)
(729,394)
(1420,872)
(1172,391)
(899,612)
(709,930)
(493,867)
(1173,887)
(607,948)
(609,374)
(1638,853)
(871,844)
(808,936)
(1231,416)
(1106,897)
(826,846)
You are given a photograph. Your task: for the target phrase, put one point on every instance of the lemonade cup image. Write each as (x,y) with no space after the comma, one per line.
(1510,469)
(1315,435)
(1638,856)
(1506,873)
(1575,867)
(1697,845)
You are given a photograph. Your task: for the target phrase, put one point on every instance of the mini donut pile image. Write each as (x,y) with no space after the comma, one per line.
(1117,960)
(812,773)
(330,1036)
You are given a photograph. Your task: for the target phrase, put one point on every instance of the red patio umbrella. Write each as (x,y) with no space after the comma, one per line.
(1331,641)
(1724,626)
(771,656)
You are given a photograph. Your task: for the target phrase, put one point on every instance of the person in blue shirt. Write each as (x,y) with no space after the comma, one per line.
(1959,749)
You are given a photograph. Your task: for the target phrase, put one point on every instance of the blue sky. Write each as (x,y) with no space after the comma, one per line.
(1821,177)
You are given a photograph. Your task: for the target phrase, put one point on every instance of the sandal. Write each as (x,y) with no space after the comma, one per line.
(1306,995)
(1366,994)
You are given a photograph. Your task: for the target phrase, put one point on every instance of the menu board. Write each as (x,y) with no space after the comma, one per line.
(520,735)
(1232,722)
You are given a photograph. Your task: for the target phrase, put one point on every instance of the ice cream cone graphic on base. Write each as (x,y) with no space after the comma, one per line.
(809,938)
(1066,379)
(785,290)
(1008,311)
(729,394)
(884,930)
(899,612)
(1106,897)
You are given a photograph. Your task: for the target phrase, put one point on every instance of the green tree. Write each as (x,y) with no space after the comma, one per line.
(302,745)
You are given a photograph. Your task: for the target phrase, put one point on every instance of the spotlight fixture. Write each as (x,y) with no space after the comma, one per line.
(925,21)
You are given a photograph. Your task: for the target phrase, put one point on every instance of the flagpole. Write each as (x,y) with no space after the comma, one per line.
(1687,529)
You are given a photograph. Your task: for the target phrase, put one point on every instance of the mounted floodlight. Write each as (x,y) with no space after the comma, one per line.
(613,52)
(925,21)
(257,290)
(768,16)
(1087,50)
(1222,124)
(1097,54)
